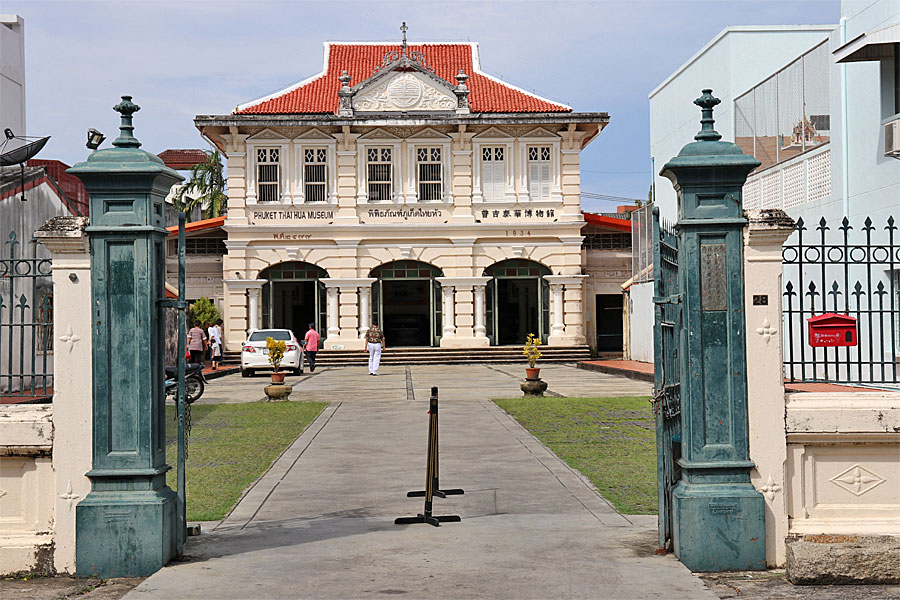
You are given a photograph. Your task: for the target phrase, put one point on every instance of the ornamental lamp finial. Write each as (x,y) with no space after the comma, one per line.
(126,137)
(461,79)
(403,29)
(707,102)
(345,80)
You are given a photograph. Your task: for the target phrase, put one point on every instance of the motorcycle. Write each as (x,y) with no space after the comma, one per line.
(194,382)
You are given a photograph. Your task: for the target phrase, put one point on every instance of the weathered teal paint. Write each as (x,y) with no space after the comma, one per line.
(718,517)
(126,525)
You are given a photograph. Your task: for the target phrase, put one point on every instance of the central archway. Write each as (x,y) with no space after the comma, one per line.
(517,301)
(294,297)
(406,302)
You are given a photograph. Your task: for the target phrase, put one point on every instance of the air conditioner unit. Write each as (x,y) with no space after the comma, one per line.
(892,138)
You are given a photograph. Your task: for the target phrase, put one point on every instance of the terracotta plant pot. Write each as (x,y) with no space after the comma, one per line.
(532,373)
(278,377)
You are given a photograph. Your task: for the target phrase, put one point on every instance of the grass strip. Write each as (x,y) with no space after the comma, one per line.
(611,441)
(229,447)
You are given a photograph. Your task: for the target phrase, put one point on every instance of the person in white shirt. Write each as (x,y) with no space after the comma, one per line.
(215,344)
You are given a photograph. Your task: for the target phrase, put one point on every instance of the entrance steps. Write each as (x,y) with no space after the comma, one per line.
(440,356)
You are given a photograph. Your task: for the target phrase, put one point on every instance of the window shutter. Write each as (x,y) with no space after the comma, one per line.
(545,181)
(534,180)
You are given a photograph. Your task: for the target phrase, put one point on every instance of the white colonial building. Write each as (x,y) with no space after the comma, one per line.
(402,185)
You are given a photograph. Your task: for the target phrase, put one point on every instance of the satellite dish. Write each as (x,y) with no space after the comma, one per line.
(20,154)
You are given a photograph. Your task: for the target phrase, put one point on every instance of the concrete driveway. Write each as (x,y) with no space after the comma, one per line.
(320,524)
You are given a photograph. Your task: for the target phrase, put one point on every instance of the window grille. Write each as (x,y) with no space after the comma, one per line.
(607,241)
(267,174)
(429,167)
(213,246)
(789,112)
(379,174)
(493,173)
(539,172)
(314,174)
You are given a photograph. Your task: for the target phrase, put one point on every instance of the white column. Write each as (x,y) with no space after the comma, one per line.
(480,330)
(449,316)
(72,373)
(253,319)
(334,329)
(365,310)
(557,327)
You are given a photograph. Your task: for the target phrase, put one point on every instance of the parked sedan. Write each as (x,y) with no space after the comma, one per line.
(255,355)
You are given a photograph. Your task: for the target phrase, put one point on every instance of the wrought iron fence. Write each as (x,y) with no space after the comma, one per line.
(847,271)
(26,325)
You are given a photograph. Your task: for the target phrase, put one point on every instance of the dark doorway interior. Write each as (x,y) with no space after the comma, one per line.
(294,305)
(517,310)
(609,322)
(406,306)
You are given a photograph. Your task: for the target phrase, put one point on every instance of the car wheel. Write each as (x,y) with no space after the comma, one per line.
(246,372)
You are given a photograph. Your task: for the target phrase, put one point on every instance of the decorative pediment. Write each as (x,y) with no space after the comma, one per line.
(540,132)
(378,134)
(404,91)
(430,134)
(266,134)
(492,133)
(314,134)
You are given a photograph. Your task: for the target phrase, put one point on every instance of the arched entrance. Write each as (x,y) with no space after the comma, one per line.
(406,303)
(294,297)
(517,301)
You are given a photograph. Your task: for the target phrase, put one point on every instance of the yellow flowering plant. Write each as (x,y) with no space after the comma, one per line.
(532,349)
(276,350)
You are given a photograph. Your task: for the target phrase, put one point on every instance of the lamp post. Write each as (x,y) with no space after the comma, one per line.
(718,516)
(126,526)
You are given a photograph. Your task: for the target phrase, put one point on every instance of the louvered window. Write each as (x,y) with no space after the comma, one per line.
(314,174)
(429,168)
(539,172)
(378,168)
(267,174)
(493,172)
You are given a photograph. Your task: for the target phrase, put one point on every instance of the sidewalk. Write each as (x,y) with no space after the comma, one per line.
(319,524)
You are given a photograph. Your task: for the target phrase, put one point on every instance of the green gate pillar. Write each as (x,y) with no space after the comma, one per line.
(126,526)
(718,516)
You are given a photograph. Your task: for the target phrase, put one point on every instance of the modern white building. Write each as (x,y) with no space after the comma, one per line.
(12,73)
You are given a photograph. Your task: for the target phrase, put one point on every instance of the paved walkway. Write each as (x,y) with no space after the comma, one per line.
(319,524)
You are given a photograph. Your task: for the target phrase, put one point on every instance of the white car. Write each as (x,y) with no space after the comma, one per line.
(255,355)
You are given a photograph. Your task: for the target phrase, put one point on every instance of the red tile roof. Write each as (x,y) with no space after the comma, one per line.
(182,159)
(318,94)
(75,197)
(198,225)
(613,223)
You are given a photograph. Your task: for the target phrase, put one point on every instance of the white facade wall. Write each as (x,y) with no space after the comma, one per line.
(12,73)
(732,63)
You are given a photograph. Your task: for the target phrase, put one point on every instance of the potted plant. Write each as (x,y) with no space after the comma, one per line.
(532,352)
(276,350)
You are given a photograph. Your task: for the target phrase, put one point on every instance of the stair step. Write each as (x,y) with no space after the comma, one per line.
(426,356)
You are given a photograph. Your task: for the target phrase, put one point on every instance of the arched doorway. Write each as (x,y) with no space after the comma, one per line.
(406,303)
(517,301)
(294,297)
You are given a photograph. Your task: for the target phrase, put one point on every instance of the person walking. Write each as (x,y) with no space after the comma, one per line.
(215,345)
(196,342)
(312,346)
(374,346)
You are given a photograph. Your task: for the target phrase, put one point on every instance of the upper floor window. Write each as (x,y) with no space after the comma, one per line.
(493,172)
(267,176)
(539,172)
(429,170)
(378,171)
(314,174)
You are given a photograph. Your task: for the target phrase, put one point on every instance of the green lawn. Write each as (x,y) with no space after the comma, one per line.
(612,441)
(230,445)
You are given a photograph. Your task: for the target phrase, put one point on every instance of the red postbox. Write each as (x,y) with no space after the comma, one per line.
(832,329)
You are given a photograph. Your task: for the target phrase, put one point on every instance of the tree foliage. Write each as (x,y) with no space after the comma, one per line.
(205,311)
(204,188)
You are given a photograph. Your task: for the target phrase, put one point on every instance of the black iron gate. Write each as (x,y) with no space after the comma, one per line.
(26,325)
(667,388)
(847,271)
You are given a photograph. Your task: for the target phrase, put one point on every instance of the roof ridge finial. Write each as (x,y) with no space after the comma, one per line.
(403,29)
(706,102)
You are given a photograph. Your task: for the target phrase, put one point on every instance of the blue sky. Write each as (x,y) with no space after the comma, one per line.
(180,59)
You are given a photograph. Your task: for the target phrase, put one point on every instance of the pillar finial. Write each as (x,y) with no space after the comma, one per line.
(403,29)
(707,102)
(126,137)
